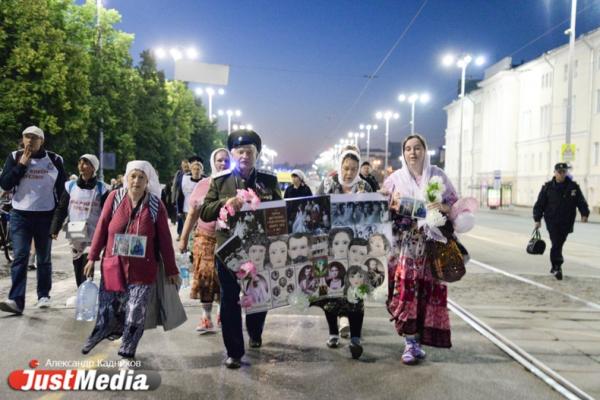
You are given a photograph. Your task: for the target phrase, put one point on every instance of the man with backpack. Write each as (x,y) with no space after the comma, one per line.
(557,203)
(37,178)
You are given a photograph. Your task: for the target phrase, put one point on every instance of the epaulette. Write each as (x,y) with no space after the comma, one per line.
(266,172)
(222,173)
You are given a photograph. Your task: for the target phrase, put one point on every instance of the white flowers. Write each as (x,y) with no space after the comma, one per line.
(433,194)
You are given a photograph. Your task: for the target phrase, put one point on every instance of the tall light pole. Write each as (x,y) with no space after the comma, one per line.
(229,113)
(571,32)
(413,99)
(355,135)
(368,128)
(101,130)
(387,115)
(461,63)
(210,92)
(243,127)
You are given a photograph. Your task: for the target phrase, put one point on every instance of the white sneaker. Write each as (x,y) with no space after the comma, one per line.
(10,306)
(44,302)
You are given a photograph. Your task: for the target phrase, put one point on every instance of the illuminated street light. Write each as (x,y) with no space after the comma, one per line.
(210,92)
(387,115)
(412,99)
(229,113)
(368,128)
(461,62)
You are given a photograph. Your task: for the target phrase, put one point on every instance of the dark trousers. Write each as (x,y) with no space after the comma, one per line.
(558,239)
(24,228)
(355,320)
(231,314)
(78,266)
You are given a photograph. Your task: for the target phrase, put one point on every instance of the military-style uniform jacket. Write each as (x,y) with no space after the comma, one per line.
(557,204)
(225,185)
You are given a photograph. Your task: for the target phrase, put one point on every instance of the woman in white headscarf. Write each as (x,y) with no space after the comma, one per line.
(133,214)
(418,304)
(345,181)
(205,283)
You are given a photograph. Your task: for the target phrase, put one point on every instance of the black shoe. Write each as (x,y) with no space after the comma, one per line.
(356,349)
(31,267)
(233,363)
(558,274)
(255,344)
(553,269)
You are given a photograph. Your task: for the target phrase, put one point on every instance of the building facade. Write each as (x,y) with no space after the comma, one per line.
(513,126)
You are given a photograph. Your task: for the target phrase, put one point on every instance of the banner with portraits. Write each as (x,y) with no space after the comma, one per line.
(317,247)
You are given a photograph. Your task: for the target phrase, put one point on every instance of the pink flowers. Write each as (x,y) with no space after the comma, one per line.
(247,270)
(248,196)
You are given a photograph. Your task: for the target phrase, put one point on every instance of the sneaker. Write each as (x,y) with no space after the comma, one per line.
(417,351)
(43,302)
(344,328)
(255,343)
(10,306)
(31,264)
(553,269)
(333,342)
(205,326)
(408,356)
(233,363)
(356,348)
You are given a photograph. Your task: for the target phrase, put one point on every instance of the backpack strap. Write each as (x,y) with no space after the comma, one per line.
(99,187)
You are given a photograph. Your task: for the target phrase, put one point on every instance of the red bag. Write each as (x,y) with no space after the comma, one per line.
(113,275)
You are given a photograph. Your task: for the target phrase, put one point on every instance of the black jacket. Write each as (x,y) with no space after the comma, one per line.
(558,203)
(371,181)
(291,192)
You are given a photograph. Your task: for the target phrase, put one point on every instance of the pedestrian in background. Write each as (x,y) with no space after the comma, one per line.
(365,173)
(298,188)
(205,282)
(82,202)
(175,189)
(418,304)
(134,213)
(37,177)
(557,203)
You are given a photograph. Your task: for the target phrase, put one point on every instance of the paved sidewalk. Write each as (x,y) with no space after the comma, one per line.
(527,212)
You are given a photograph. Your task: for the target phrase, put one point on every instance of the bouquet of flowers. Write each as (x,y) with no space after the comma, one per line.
(321,273)
(433,194)
(354,294)
(248,196)
(247,274)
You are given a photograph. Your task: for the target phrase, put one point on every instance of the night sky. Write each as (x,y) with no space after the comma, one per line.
(298,67)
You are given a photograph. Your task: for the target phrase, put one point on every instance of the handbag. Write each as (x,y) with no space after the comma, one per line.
(77,230)
(113,275)
(536,245)
(446,261)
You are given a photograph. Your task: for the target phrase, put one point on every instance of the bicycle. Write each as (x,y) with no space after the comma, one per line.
(5,239)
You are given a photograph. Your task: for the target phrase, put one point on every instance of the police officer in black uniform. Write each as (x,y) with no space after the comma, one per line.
(557,204)
(245,146)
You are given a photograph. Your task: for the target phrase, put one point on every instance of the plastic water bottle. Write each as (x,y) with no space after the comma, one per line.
(86,307)
(184,269)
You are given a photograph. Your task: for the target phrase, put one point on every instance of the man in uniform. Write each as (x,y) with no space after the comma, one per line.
(245,146)
(557,203)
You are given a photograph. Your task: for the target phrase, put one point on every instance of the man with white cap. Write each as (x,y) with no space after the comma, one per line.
(298,188)
(37,178)
(81,201)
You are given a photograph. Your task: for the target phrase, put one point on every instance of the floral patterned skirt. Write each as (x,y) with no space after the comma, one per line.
(205,283)
(418,301)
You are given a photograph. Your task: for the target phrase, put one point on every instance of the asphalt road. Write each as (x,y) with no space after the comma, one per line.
(294,362)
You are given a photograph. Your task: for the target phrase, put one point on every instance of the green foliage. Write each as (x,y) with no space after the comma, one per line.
(72,77)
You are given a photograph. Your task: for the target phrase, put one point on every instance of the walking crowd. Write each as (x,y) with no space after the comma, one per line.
(125,226)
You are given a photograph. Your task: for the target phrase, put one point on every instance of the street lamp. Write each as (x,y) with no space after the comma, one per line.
(242,127)
(210,92)
(387,115)
(412,99)
(462,62)
(355,135)
(229,113)
(176,53)
(269,153)
(368,128)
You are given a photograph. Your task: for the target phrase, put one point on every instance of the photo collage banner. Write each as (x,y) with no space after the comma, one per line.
(318,247)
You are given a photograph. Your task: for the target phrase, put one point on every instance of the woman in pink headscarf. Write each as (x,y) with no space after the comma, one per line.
(418,302)
(205,283)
